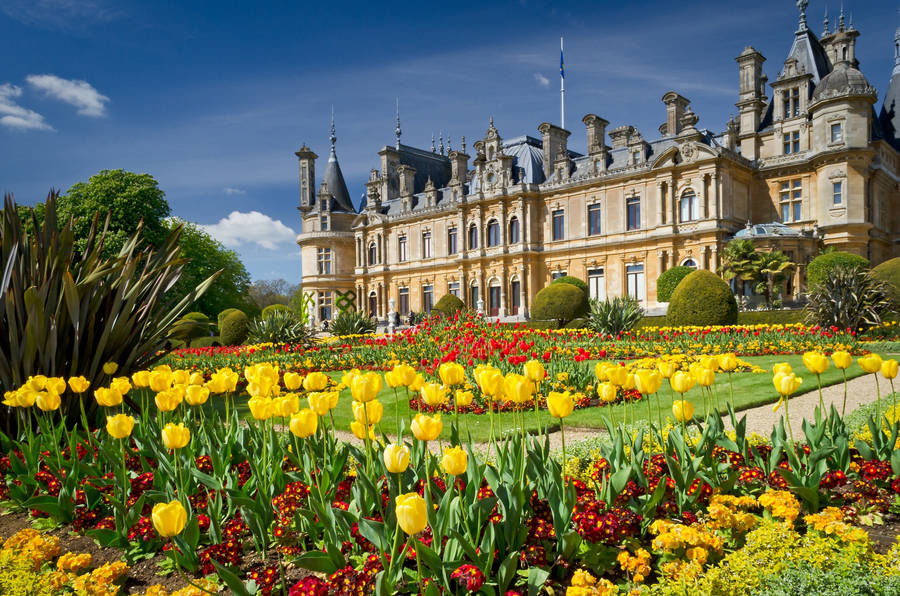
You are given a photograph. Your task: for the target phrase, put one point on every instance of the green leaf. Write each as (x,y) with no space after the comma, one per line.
(315,560)
(536,579)
(231,580)
(373,531)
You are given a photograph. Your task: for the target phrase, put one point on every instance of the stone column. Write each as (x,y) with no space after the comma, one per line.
(660,197)
(662,260)
(523,311)
(463,288)
(702,198)
(673,201)
(503,281)
(504,227)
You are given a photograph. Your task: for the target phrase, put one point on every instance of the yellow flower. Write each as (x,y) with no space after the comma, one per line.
(665,368)
(682,382)
(417,382)
(141,379)
(889,369)
(37,382)
(451,374)
(181,377)
(160,380)
(319,402)
(261,408)
(781,367)
(463,398)
(426,428)
(682,410)
(315,381)
(455,461)
(816,362)
(434,394)
(359,430)
(786,384)
(709,363)
(365,387)
(167,400)
(196,378)
(368,412)
(607,392)
(412,513)
(56,385)
(842,359)
(48,402)
(108,396)
(119,426)
(704,376)
(286,405)
(618,375)
(292,381)
(110,368)
(78,384)
(169,519)
(560,404)
(196,395)
(870,363)
(396,458)
(490,381)
(727,362)
(648,381)
(517,388)
(534,371)
(175,436)
(304,423)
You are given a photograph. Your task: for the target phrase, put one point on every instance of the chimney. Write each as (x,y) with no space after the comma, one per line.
(307,163)
(596,133)
(676,106)
(407,176)
(458,166)
(554,141)
(621,135)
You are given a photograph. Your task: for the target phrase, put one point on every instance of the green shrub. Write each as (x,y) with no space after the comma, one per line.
(819,267)
(278,326)
(221,318)
(541,325)
(853,579)
(669,280)
(702,298)
(614,316)
(568,279)
(651,321)
(449,305)
(848,298)
(559,302)
(579,323)
(889,272)
(274,308)
(417,317)
(234,329)
(190,328)
(206,342)
(351,322)
(770,317)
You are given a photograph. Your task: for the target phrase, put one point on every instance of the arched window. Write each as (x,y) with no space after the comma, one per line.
(690,206)
(493,233)
(373,254)
(513,235)
(689,263)
(473,236)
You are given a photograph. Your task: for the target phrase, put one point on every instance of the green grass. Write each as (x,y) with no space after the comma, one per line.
(750,390)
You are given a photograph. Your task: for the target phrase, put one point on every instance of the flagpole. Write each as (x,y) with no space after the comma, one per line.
(562,87)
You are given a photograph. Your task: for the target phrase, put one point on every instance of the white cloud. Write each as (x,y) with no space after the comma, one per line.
(541,80)
(80,94)
(59,14)
(13,115)
(252,227)
(228,190)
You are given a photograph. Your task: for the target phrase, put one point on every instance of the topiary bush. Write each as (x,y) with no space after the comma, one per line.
(274,308)
(559,302)
(568,279)
(669,280)
(190,328)
(234,329)
(818,268)
(449,305)
(221,317)
(702,298)
(889,272)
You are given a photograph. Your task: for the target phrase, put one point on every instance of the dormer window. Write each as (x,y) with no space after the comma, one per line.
(323,223)
(791,102)
(323,205)
(636,156)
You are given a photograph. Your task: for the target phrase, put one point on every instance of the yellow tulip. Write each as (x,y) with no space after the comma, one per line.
(426,428)
(434,394)
(304,423)
(463,398)
(417,382)
(648,381)
(48,402)
(601,372)
(455,461)
(216,384)
(412,513)
(870,363)
(516,388)
(682,382)
(319,402)
(665,368)
(196,378)
(709,363)
(617,375)
(333,397)
(405,374)
(889,369)
(347,377)
(842,359)
(141,379)
(704,376)
(119,426)
(181,376)
(816,362)
(175,436)
(78,384)
(110,368)
(359,430)
(607,392)
(121,384)
(160,380)
(261,408)
(682,410)
(108,397)
(560,404)
(391,379)
(315,381)
(368,412)
(56,385)
(491,382)
(786,383)
(169,519)
(168,400)
(782,367)
(196,395)
(727,362)
(365,387)
(396,458)
(630,382)
(451,374)
(534,371)
(26,397)
(286,405)
(293,381)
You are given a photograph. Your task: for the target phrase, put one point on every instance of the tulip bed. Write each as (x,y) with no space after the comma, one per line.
(274,502)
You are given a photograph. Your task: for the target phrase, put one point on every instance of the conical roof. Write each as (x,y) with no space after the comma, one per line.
(337,188)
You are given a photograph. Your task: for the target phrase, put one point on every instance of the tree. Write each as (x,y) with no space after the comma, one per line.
(127,197)
(768,270)
(266,292)
(737,260)
(206,255)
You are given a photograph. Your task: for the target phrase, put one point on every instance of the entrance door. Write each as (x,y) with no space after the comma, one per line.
(373,305)
(494,300)
(514,289)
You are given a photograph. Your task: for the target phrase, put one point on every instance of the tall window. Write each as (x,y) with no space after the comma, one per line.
(453,288)
(451,241)
(837,193)
(791,200)
(633,213)
(513,230)
(634,278)
(427,298)
(473,236)
(426,245)
(690,206)
(559,224)
(473,296)
(596,283)
(373,254)
(594,219)
(401,249)
(493,233)
(403,301)
(791,99)
(791,142)
(323,223)
(324,306)
(837,133)
(323,261)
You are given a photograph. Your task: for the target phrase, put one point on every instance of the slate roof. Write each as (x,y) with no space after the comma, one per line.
(337,188)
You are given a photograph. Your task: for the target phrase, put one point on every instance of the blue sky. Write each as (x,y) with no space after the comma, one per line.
(213,98)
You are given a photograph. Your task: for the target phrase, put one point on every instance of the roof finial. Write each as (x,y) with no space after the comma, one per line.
(850,28)
(332,137)
(449,148)
(841,22)
(464,144)
(441,146)
(801,6)
(826,32)
(492,119)
(432,143)
(397,130)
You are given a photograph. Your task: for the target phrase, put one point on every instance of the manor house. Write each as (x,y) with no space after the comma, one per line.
(811,161)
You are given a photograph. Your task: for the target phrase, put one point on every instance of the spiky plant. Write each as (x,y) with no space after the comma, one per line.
(848,298)
(278,326)
(351,322)
(614,316)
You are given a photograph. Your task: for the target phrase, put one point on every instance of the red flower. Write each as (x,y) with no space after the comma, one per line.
(469,576)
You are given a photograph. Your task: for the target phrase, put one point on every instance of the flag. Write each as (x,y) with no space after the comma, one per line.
(562,64)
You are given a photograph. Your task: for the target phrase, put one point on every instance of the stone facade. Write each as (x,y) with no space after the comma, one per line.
(814,157)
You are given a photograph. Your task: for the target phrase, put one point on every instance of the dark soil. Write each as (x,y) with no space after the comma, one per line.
(884,536)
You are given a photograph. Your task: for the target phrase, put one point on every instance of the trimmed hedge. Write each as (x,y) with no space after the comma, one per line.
(702,298)
(569,279)
(559,302)
(818,268)
(889,272)
(196,316)
(272,308)
(449,304)
(221,317)
(206,342)
(669,280)
(234,329)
